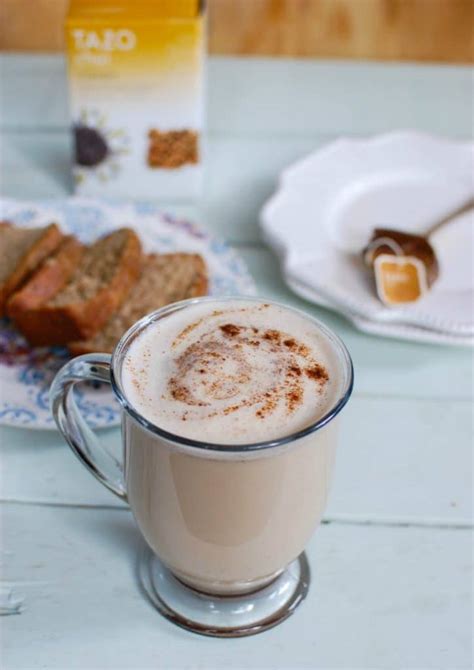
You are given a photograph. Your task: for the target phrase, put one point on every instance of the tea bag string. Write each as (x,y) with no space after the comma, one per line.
(385,242)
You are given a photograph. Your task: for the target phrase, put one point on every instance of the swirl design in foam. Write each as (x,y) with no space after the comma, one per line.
(247,372)
(233,366)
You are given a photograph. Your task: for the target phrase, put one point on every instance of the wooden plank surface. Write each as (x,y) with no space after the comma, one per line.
(380,598)
(419,30)
(266,97)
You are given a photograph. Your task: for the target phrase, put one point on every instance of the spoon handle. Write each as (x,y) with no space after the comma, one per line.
(449,217)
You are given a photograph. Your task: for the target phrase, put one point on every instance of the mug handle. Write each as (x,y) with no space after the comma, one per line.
(84,443)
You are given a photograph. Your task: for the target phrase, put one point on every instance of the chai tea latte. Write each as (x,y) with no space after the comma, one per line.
(230,372)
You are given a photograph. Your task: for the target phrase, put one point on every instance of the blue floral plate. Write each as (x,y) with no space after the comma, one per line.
(26,372)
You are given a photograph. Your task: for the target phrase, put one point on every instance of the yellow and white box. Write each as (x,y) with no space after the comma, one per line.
(136,72)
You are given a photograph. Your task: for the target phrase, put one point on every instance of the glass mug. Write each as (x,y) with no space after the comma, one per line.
(226,525)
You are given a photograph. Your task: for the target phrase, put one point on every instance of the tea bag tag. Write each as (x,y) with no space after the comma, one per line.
(399,279)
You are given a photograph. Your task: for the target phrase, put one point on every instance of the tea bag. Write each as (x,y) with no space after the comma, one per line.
(405,265)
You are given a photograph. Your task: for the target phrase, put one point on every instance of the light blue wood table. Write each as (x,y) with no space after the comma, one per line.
(391,564)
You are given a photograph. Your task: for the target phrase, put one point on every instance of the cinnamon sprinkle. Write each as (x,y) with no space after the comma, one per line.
(294,398)
(178,392)
(294,370)
(317,372)
(272,336)
(230,329)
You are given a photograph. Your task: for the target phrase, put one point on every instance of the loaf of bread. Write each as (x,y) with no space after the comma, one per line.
(22,250)
(101,280)
(165,279)
(52,275)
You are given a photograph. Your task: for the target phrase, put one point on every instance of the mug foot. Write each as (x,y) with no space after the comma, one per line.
(224,616)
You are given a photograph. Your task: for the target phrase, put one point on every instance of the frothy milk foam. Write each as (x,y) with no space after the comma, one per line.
(232,373)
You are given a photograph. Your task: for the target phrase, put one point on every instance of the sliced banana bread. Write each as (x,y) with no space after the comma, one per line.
(52,275)
(105,274)
(21,252)
(165,279)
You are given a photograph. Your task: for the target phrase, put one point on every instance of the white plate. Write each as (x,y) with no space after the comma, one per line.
(26,372)
(328,204)
(393,330)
